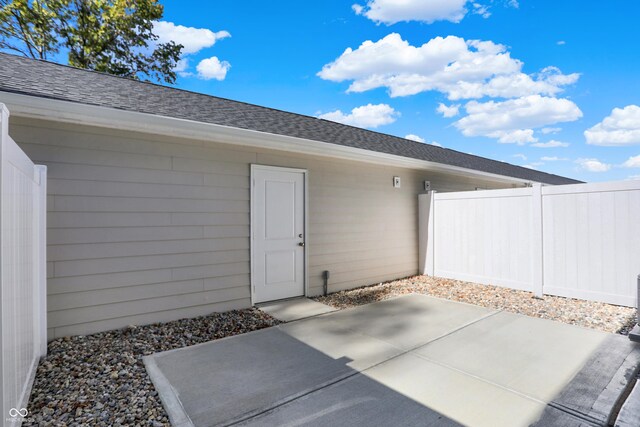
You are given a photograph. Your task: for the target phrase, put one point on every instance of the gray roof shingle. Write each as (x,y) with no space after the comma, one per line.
(50,80)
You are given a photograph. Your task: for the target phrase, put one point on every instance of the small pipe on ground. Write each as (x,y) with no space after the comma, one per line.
(325,287)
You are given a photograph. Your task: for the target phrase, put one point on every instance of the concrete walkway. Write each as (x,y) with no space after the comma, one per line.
(295,309)
(412,360)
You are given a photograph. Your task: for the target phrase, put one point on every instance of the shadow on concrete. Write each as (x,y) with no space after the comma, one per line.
(596,393)
(269,378)
(412,361)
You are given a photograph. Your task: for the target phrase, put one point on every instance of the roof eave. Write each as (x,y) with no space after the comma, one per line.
(84,114)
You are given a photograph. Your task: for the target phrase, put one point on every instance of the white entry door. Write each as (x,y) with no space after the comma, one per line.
(277,228)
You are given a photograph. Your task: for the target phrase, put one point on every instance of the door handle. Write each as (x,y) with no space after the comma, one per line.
(301,244)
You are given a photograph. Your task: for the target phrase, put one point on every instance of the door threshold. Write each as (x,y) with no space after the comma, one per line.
(277,301)
(295,309)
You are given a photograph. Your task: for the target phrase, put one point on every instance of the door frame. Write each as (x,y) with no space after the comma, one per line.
(305,173)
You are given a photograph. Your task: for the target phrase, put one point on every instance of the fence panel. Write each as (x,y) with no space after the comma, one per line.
(592,241)
(580,241)
(22,274)
(484,237)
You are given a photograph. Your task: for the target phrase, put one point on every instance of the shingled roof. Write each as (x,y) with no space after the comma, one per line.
(49,80)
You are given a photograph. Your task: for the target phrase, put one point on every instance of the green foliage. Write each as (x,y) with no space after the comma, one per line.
(29,27)
(112,36)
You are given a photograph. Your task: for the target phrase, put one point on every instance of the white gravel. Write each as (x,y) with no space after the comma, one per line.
(589,314)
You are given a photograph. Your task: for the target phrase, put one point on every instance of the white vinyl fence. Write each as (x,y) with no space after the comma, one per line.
(580,241)
(23,331)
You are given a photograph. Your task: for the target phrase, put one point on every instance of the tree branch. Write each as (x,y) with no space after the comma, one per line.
(25,35)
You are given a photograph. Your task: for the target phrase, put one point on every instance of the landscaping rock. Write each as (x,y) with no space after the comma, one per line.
(100,379)
(588,314)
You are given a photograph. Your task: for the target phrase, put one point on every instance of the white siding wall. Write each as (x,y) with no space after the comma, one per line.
(145,228)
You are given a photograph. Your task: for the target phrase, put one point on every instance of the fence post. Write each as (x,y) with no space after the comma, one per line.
(431,242)
(425,232)
(4,135)
(41,280)
(537,260)
(634,335)
(4,123)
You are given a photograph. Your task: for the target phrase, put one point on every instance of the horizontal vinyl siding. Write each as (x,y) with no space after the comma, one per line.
(146,318)
(145,229)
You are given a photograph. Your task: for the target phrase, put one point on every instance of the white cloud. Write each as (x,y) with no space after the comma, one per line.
(633,177)
(561,42)
(550,144)
(547,82)
(632,162)
(546,131)
(519,136)
(366,116)
(593,165)
(552,159)
(553,76)
(193,39)
(448,111)
(481,9)
(513,121)
(181,68)
(621,127)
(391,11)
(413,137)
(520,156)
(182,65)
(213,68)
(531,166)
(459,68)
(417,138)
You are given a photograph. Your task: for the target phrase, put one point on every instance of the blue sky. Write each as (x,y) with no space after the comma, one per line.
(547,71)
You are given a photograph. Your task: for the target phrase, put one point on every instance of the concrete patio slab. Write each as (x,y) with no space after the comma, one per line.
(337,340)
(232,378)
(295,309)
(457,396)
(356,401)
(413,360)
(531,356)
(410,321)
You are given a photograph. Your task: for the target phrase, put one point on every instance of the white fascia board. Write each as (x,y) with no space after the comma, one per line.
(91,115)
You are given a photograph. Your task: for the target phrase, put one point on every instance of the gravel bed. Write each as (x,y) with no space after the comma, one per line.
(589,314)
(100,379)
